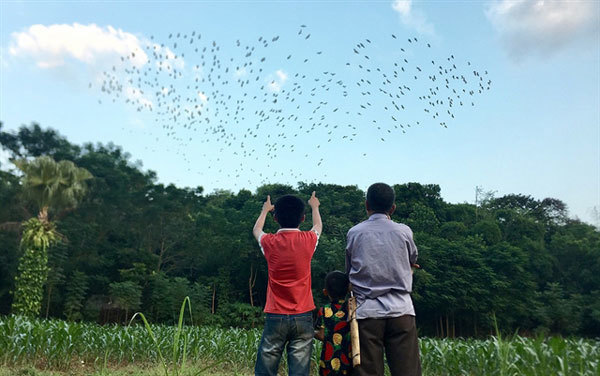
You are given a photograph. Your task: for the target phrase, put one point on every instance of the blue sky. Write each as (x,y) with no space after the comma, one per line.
(535,131)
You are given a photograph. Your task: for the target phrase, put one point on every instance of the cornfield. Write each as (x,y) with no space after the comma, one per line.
(58,344)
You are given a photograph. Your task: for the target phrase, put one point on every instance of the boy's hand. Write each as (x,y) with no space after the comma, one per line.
(267,206)
(313,201)
(257,231)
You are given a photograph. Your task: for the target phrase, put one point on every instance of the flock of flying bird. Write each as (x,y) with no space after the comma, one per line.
(259,101)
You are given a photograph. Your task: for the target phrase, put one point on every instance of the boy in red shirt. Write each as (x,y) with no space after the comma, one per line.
(289,305)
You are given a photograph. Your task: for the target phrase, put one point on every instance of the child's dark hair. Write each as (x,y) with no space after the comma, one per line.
(289,210)
(380,197)
(336,284)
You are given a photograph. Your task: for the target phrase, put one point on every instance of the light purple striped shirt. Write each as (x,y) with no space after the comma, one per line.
(379,253)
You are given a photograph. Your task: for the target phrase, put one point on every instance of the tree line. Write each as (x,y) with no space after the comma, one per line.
(133,244)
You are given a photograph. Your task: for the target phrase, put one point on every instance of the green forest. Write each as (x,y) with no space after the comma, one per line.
(127,243)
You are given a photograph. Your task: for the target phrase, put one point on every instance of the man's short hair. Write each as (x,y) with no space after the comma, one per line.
(380,197)
(289,210)
(336,284)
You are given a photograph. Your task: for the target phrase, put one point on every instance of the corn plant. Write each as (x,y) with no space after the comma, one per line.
(57,345)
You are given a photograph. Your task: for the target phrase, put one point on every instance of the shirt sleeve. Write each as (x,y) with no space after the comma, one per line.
(260,238)
(412,248)
(316,234)
(348,254)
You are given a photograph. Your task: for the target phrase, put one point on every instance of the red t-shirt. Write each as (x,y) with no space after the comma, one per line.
(288,253)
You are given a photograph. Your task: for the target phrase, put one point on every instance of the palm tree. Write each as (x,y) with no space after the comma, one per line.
(53,186)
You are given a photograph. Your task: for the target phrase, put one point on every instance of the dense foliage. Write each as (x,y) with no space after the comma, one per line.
(33,267)
(135,244)
(24,341)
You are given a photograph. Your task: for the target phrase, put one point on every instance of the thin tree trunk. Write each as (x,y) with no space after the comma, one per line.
(453,327)
(447,327)
(160,255)
(212,310)
(48,303)
(251,283)
(43,215)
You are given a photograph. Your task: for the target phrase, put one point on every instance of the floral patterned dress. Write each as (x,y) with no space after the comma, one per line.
(336,352)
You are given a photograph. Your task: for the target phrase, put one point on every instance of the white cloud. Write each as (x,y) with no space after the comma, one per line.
(197,72)
(202,96)
(277,80)
(51,46)
(542,27)
(240,72)
(61,46)
(136,96)
(282,76)
(413,18)
(169,60)
(402,6)
(137,123)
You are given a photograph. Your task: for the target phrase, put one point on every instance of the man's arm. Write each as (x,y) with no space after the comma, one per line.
(412,249)
(257,231)
(314,203)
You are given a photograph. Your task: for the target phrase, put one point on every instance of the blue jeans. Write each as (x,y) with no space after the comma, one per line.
(293,333)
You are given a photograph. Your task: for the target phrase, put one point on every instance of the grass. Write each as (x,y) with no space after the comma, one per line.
(54,347)
(130,370)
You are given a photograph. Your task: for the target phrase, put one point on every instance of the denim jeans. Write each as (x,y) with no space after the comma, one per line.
(294,333)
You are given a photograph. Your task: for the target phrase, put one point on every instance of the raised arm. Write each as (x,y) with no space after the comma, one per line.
(314,203)
(257,231)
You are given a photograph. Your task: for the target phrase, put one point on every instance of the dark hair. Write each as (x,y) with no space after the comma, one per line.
(289,210)
(380,197)
(336,284)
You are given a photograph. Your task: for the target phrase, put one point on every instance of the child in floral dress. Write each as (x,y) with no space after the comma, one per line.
(333,327)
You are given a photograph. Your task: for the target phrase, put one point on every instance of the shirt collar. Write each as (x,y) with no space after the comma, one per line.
(376,216)
(288,229)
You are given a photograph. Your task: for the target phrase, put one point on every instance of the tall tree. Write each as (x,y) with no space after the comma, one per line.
(50,185)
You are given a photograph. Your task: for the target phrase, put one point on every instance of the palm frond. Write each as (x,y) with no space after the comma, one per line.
(57,185)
